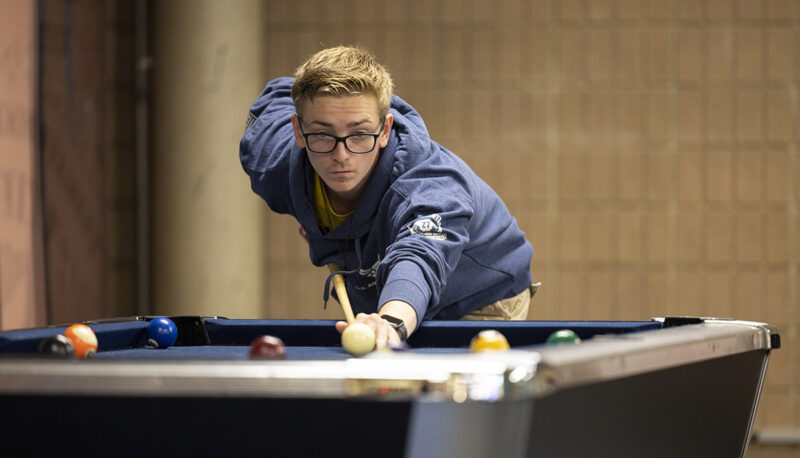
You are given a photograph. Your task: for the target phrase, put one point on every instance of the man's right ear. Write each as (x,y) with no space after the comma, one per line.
(298,135)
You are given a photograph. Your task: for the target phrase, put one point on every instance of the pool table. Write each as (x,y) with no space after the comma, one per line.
(677,386)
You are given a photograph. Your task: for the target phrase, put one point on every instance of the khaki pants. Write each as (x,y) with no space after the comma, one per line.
(514,308)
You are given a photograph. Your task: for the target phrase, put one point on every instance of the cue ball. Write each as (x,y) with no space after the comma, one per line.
(563,336)
(56,346)
(83,340)
(267,347)
(358,339)
(488,340)
(161,332)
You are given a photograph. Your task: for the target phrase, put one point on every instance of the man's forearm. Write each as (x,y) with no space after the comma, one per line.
(402,310)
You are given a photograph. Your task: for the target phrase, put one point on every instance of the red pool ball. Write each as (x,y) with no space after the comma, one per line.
(267,347)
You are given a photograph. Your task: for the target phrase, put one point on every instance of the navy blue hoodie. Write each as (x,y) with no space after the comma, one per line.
(426,229)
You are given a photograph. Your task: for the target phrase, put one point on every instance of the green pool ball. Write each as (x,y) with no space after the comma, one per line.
(563,336)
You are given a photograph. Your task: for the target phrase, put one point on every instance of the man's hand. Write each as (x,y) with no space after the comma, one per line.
(302,233)
(385,334)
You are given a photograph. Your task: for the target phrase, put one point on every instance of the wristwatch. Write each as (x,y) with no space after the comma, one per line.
(398,326)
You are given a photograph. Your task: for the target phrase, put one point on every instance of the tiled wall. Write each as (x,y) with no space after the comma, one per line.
(21,303)
(120,162)
(87,152)
(68,247)
(649,149)
(72,144)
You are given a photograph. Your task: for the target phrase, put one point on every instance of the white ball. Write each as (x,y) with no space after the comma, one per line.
(358,339)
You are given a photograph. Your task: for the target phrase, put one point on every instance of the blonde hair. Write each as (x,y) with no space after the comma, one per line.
(340,71)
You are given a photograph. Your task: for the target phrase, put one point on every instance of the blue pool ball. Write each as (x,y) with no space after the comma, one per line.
(162,332)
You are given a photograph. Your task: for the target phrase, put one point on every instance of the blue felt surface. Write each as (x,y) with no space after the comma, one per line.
(293,332)
(307,339)
(221,352)
(429,334)
(109,336)
(241,352)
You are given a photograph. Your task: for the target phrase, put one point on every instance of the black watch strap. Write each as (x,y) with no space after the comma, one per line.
(398,325)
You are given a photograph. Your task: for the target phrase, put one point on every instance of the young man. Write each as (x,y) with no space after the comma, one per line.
(416,233)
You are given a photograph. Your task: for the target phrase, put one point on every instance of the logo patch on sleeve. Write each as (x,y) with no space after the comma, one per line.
(428,226)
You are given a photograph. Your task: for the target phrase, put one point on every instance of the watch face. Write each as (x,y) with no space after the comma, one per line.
(395,321)
(398,325)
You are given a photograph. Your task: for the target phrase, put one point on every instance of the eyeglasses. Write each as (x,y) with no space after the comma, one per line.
(323,143)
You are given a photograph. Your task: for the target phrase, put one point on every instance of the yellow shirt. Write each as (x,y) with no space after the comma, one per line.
(327,219)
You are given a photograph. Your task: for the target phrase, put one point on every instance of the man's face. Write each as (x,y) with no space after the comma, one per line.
(344,173)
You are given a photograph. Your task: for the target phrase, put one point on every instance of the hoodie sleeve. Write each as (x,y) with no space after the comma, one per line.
(430,230)
(265,150)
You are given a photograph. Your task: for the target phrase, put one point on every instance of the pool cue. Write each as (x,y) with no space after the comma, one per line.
(341,293)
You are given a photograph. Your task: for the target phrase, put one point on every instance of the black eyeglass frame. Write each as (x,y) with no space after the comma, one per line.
(341,139)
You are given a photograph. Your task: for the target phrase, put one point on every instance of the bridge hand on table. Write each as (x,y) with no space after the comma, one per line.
(385,334)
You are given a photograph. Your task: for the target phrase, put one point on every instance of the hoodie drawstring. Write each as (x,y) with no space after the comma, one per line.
(326,294)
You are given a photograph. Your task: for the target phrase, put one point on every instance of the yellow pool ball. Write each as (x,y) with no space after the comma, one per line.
(488,340)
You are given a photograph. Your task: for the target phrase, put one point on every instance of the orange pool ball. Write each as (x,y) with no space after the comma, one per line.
(488,340)
(83,339)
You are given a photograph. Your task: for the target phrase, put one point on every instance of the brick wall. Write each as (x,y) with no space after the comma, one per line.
(649,149)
